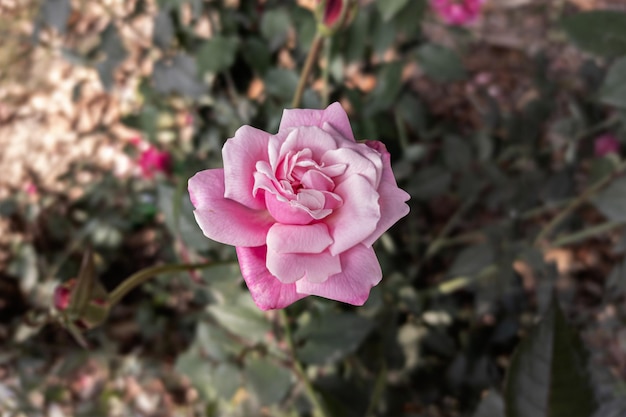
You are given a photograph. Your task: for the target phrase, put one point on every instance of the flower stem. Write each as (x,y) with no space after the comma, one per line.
(308,66)
(577,202)
(142,276)
(326,73)
(318,407)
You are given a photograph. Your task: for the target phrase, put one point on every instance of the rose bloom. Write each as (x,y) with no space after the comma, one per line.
(606,144)
(457,12)
(303,207)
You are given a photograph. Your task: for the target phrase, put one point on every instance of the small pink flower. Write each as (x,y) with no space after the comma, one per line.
(31,189)
(63,294)
(457,12)
(606,144)
(152,161)
(303,207)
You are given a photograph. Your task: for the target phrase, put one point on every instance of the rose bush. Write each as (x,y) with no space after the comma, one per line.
(303,207)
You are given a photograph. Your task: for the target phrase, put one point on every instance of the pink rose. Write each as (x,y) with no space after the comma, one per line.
(303,207)
(457,12)
(606,144)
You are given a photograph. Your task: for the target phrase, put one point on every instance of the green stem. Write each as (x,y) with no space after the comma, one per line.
(144,275)
(436,244)
(318,407)
(308,66)
(586,233)
(326,73)
(577,202)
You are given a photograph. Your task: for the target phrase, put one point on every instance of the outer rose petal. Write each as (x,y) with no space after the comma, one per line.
(360,272)
(222,219)
(266,290)
(391,197)
(240,154)
(290,267)
(286,238)
(357,218)
(334,115)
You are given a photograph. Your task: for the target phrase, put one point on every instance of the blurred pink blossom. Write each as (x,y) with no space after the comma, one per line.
(151,160)
(457,12)
(606,144)
(30,188)
(62,295)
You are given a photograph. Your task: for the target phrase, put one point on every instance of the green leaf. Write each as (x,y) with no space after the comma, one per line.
(217,53)
(228,380)
(440,63)
(389,8)
(281,83)
(616,282)
(331,336)
(275,25)
(163,29)
(472,260)
(601,32)
(55,13)
(387,88)
(491,405)
(115,53)
(177,75)
(215,342)
(198,370)
(612,200)
(613,90)
(267,380)
(257,54)
(456,153)
(178,213)
(429,182)
(244,320)
(548,375)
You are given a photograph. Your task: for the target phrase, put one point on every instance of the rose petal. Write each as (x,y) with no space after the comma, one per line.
(334,114)
(392,198)
(360,272)
(285,211)
(290,267)
(357,218)
(357,163)
(308,138)
(241,154)
(284,238)
(222,219)
(266,290)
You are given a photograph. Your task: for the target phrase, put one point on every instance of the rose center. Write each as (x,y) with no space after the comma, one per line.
(298,189)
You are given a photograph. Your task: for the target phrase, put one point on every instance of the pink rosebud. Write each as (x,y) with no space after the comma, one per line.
(62,295)
(606,144)
(333,14)
(303,207)
(457,12)
(332,11)
(152,160)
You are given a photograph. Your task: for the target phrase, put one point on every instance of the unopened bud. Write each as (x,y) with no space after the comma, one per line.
(333,15)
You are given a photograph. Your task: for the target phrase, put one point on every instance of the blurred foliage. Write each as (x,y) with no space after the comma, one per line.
(513,217)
